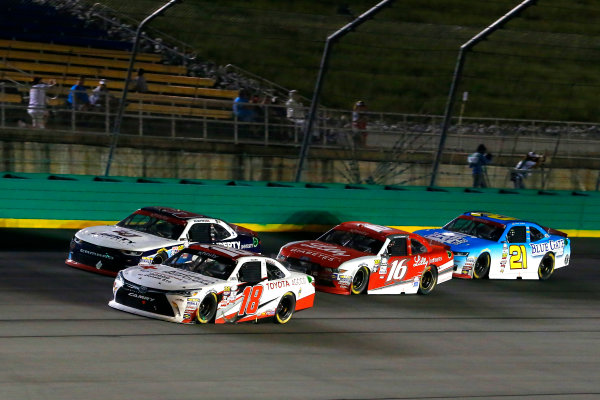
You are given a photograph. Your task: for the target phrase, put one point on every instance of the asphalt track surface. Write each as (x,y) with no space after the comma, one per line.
(466,340)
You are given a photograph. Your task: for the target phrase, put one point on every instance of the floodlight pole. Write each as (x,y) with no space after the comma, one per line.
(119,118)
(458,72)
(319,83)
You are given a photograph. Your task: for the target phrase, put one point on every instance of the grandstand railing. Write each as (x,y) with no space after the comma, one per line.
(391,138)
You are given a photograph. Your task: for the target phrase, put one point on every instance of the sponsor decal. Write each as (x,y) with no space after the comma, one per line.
(92,253)
(277,285)
(116,237)
(341,278)
(449,238)
(99,265)
(437,259)
(231,245)
(326,248)
(556,246)
(148,267)
(322,256)
(255,241)
(420,261)
(376,228)
(297,280)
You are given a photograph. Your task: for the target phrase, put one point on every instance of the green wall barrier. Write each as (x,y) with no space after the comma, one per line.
(75,201)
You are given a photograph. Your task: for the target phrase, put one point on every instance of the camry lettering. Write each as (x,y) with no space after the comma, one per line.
(141,297)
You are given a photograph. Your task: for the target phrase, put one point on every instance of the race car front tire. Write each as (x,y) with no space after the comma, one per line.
(481,269)
(546,267)
(428,280)
(160,258)
(360,281)
(207,309)
(285,308)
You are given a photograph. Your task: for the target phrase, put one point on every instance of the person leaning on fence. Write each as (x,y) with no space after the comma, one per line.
(138,83)
(101,97)
(523,168)
(37,102)
(477,162)
(78,98)
(359,122)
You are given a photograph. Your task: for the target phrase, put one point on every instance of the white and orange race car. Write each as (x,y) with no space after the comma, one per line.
(212,283)
(359,257)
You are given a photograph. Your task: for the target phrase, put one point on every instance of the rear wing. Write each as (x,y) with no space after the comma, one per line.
(438,243)
(555,232)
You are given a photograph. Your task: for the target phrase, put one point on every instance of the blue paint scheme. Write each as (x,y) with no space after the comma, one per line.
(515,247)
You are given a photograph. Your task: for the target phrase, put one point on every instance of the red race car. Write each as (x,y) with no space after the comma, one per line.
(359,257)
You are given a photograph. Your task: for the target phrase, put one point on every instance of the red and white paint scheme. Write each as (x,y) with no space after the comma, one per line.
(359,257)
(213,283)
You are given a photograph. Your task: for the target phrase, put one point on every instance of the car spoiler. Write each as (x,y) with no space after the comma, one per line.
(438,243)
(555,232)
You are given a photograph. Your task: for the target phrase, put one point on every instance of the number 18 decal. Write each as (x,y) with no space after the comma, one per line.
(251,300)
(518,256)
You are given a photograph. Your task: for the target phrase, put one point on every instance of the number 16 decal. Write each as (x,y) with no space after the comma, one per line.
(251,300)
(518,256)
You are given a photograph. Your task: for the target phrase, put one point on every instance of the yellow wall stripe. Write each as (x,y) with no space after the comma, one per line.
(78,224)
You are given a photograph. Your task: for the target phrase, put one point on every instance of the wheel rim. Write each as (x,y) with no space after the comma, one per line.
(359,281)
(205,309)
(481,266)
(284,309)
(546,267)
(427,280)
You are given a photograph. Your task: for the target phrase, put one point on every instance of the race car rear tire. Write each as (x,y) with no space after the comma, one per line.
(428,280)
(285,308)
(207,309)
(546,267)
(481,269)
(360,281)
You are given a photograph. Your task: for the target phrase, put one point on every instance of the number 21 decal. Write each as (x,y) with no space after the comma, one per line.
(518,256)
(251,300)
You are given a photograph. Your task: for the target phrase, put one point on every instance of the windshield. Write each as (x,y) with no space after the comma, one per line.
(352,240)
(481,229)
(153,226)
(206,264)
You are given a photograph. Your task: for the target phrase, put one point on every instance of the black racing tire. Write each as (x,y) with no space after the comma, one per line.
(285,308)
(481,269)
(160,258)
(207,309)
(428,280)
(360,281)
(546,267)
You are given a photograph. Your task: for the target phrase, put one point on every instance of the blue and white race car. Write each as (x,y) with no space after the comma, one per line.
(501,247)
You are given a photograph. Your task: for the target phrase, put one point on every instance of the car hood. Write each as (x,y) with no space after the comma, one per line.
(325,254)
(167,278)
(116,237)
(456,241)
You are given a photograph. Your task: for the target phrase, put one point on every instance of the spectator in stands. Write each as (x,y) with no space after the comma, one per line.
(295,109)
(37,102)
(101,97)
(138,84)
(242,111)
(477,162)
(523,168)
(78,97)
(359,122)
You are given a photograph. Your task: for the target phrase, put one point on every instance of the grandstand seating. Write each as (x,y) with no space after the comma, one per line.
(86,51)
